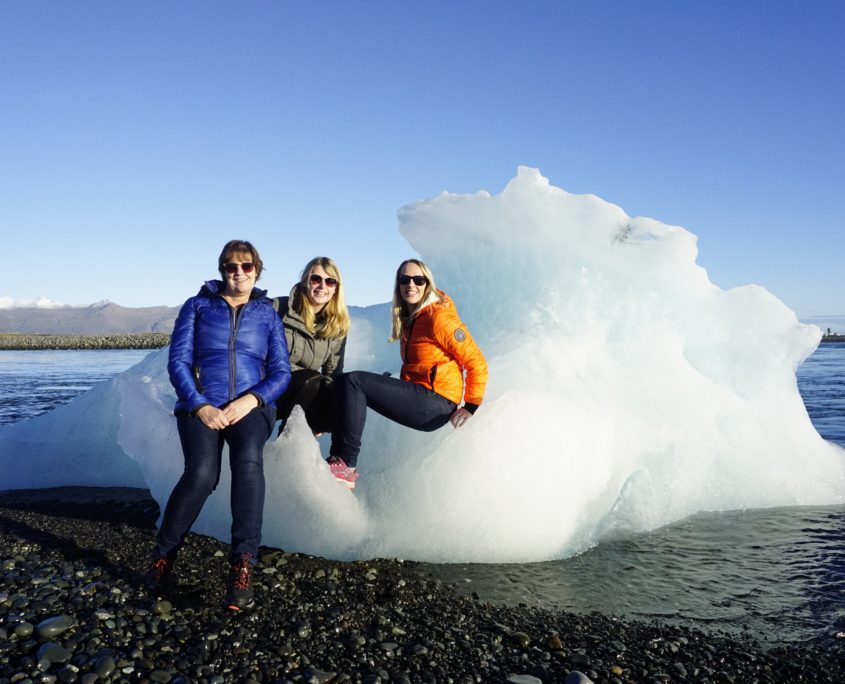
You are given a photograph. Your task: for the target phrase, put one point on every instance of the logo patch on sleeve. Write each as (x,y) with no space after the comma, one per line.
(460,335)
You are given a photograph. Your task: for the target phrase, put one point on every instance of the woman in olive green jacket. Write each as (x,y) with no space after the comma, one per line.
(316,323)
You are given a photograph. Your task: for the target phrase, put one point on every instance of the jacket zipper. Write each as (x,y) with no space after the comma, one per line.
(234,322)
(408,338)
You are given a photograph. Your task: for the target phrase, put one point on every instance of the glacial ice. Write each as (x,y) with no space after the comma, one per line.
(626,392)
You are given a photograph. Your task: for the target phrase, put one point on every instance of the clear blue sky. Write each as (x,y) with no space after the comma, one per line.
(137,137)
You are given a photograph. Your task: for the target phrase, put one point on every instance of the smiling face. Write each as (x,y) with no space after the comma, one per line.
(411,292)
(318,292)
(238,282)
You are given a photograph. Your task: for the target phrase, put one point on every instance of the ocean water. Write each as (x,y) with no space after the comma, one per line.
(778,574)
(35,382)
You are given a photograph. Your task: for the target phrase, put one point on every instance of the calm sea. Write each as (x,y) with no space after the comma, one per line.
(711,570)
(34,382)
(778,574)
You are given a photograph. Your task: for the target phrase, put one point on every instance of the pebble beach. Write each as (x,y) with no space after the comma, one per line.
(72,609)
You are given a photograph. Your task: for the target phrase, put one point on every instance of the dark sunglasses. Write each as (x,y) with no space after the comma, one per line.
(315,279)
(419,281)
(246,267)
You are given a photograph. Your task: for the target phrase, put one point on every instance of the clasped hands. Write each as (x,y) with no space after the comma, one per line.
(217,419)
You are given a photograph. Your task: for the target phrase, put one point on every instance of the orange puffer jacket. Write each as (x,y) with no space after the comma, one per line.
(436,348)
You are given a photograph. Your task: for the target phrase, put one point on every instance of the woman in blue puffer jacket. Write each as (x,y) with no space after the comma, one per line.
(229,364)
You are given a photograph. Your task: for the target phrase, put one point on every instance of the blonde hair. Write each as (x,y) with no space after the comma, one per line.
(399,310)
(333,321)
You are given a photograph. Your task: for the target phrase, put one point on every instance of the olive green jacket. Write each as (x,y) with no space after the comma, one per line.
(305,351)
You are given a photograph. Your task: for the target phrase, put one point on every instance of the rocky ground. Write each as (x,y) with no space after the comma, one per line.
(121,341)
(72,610)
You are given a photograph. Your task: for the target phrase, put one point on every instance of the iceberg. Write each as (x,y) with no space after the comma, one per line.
(626,392)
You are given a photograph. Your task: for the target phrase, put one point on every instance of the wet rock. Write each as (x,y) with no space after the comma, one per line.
(23,630)
(579,660)
(54,626)
(162,607)
(553,643)
(104,666)
(54,653)
(577,677)
(68,675)
(314,676)
(521,639)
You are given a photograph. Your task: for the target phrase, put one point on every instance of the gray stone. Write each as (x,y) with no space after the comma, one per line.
(162,608)
(23,629)
(105,666)
(54,626)
(576,677)
(54,653)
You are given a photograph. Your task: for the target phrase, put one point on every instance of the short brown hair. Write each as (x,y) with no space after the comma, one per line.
(234,247)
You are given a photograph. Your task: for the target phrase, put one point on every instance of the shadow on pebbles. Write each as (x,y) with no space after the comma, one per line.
(72,610)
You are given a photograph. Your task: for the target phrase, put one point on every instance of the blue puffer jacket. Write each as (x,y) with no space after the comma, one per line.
(217,354)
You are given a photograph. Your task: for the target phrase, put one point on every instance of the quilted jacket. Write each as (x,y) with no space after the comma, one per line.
(437,348)
(218,353)
(305,350)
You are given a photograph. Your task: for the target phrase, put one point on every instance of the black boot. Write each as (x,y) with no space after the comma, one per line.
(239,590)
(159,576)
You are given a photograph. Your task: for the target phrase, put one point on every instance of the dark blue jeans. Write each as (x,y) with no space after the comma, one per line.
(202,448)
(406,403)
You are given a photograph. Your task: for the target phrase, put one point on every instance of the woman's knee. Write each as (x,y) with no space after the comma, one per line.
(248,474)
(199,481)
(356,381)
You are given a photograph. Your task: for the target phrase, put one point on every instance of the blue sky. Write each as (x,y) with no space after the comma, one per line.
(137,137)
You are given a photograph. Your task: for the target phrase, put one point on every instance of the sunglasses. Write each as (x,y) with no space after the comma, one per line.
(246,267)
(315,279)
(419,281)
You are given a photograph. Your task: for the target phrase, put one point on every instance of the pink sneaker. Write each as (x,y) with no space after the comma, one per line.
(342,472)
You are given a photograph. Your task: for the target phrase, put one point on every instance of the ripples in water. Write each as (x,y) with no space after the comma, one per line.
(34,382)
(778,574)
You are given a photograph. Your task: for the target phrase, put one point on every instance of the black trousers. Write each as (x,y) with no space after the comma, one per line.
(203,448)
(313,392)
(407,403)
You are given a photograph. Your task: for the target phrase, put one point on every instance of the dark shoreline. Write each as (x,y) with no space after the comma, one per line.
(76,554)
(25,341)
(152,340)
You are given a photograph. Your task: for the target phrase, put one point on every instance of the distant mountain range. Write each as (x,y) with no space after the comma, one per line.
(103,318)
(108,318)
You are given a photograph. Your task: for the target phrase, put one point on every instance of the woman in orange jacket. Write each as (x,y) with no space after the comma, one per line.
(437,351)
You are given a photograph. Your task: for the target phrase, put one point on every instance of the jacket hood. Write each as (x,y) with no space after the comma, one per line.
(292,315)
